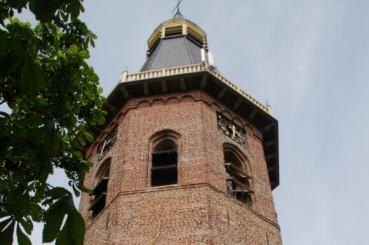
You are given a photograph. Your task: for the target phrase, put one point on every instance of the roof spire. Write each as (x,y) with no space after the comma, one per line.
(178,14)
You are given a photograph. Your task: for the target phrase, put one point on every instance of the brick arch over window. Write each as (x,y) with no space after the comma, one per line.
(237,173)
(164,158)
(101,188)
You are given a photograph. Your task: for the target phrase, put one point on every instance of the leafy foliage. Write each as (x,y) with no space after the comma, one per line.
(55,98)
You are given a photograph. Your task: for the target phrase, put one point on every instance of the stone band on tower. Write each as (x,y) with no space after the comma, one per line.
(185,156)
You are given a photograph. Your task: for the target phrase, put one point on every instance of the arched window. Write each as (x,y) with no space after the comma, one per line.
(164,163)
(101,188)
(238,180)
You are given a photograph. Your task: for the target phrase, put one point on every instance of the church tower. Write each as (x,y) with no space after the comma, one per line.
(185,156)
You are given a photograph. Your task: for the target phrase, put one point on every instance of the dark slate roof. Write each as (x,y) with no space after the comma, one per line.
(172,51)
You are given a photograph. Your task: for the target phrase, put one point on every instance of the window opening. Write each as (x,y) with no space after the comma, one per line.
(238,181)
(100,190)
(164,164)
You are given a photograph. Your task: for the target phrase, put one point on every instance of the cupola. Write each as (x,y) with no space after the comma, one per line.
(176,42)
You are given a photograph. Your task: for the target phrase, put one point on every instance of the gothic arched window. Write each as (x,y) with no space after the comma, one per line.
(164,163)
(101,188)
(238,179)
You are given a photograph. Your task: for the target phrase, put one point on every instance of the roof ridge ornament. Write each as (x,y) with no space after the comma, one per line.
(178,14)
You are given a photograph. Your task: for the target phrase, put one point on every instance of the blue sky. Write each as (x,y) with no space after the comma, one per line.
(309,59)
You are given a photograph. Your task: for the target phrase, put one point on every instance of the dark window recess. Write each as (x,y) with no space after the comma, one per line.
(101,188)
(164,168)
(100,196)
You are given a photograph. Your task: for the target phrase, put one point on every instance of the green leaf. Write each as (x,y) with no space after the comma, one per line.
(99,90)
(101,119)
(82,8)
(63,206)
(17,4)
(41,101)
(76,227)
(73,230)
(83,54)
(78,154)
(14,195)
(9,64)
(52,228)
(39,193)
(88,163)
(31,78)
(45,169)
(69,53)
(28,84)
(31,5)
(84,188)
(35,138)
(92,42)
(60,53)
(74,8)
(45,9)
(22,205)
(6,236)
(4,114)
(63,237)
(22,238)
(35,121)
(88,136)
(36,215)
(4,223)
(77,193)
(49,126)
(89,92)
(4,43)
(57,192)
(74,49)
(81,140)
(83,166)
(27,225)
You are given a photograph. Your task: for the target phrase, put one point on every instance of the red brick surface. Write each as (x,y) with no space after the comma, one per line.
(197,210)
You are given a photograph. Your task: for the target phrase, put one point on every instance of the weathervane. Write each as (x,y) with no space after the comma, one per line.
(177,6)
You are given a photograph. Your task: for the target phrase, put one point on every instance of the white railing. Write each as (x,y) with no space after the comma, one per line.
(162,73)
(189,69)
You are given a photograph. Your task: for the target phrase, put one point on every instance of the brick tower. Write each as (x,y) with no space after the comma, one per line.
(185,156)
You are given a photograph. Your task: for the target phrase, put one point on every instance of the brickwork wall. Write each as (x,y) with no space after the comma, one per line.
(195,210)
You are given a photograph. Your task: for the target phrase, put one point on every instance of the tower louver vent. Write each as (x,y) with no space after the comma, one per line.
(173,30)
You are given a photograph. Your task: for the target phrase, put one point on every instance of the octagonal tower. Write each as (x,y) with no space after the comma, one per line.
(185,156)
